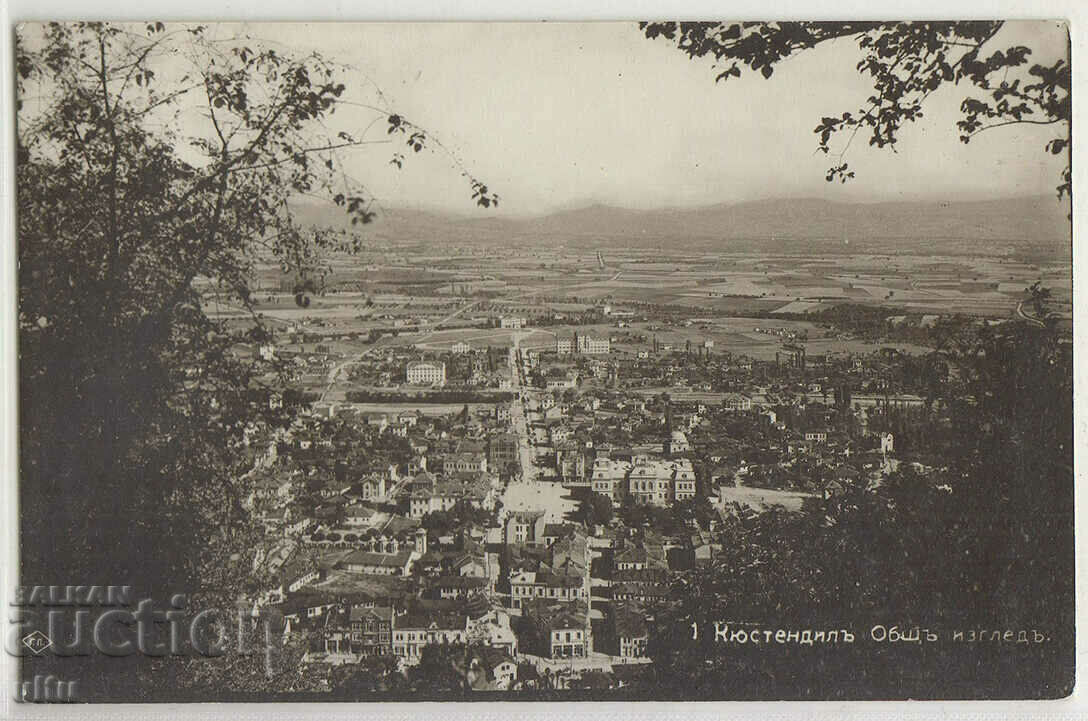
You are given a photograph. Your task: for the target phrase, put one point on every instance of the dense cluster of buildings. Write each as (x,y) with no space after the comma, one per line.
(390,535)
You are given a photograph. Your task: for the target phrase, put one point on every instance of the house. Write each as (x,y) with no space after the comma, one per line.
(570,553)
(570,464)
(295,573)
(371,630)
(358,515)
(557,630)
(558,433)
(295,526)
(560,384)
(631,558)
(524,527)
(455,586)
(658,482)
(643,586)
(460,348)
(470,565)
(677,443)
(306,609)
(503,452)
(608,476)
(378,421)
(372,488)
(425,623)
(704,548)
(465,462)
(554,531)
(476,489)
(737,402)
(492,669)
(526,586)
(378,564)
(631,631)
(271,489)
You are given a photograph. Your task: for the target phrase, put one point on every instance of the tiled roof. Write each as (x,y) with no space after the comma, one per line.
(630,621)
(444,615)
(382,613)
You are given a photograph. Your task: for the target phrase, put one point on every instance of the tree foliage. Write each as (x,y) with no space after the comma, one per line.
(157,166)
(983,542)
(375,673)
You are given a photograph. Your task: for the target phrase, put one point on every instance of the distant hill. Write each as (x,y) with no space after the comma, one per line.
(1029,225)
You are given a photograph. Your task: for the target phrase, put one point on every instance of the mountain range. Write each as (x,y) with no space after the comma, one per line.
(1036,225)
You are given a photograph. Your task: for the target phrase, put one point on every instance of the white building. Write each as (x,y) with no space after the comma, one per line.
(460,348)
(590,345)
(887,443)
(426,373)
(608,476)
(737,402)
(559,384)
(511,321)
(678,442)
(658,482)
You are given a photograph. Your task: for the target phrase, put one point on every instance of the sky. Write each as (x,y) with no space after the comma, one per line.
(563,115)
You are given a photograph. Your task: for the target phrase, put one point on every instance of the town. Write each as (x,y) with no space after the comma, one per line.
(526,488)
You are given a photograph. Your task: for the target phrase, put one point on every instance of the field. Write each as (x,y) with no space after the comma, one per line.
(424,298)
(733,335)
(737,283)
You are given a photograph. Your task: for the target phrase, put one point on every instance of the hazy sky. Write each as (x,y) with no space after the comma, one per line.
(557,115)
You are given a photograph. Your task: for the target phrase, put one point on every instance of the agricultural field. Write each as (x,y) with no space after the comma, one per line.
(406,295)
(744,283)
(735,335)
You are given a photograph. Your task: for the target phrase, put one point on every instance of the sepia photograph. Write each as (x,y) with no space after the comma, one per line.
(542,361)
